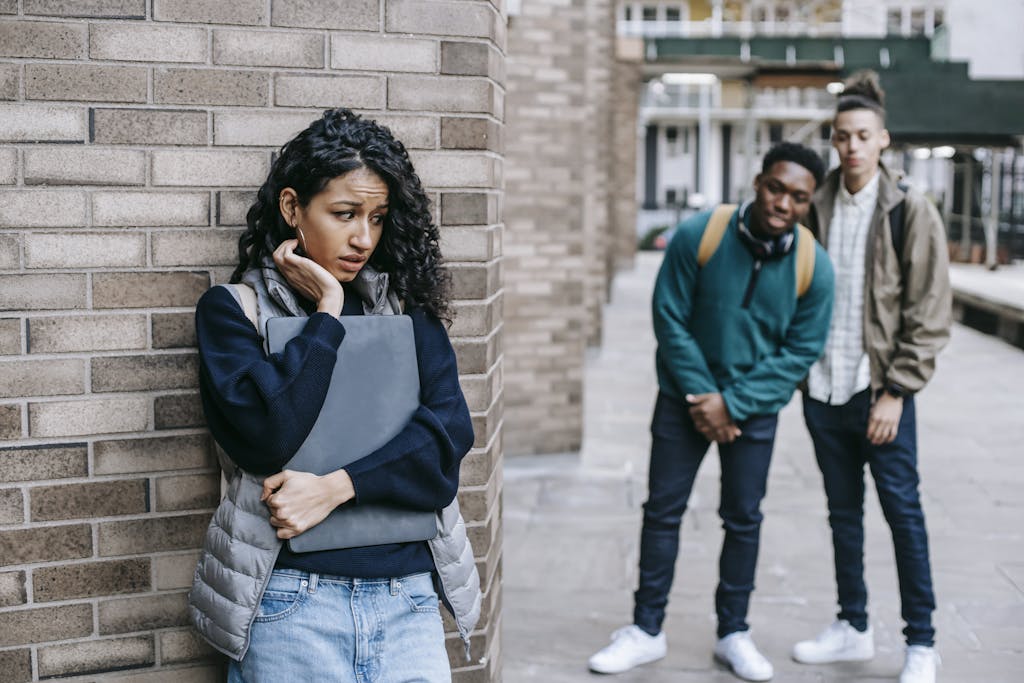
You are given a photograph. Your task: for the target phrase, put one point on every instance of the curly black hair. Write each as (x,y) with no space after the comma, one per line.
(333,145)
(798,154)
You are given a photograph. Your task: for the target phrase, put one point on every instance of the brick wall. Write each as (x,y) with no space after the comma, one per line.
(132,136)
(559,158)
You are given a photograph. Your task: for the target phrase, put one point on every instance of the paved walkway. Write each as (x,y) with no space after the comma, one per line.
(572,528)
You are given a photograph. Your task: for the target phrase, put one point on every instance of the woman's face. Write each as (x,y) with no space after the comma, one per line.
(341,225)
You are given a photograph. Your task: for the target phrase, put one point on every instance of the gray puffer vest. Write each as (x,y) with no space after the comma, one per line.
(241,547)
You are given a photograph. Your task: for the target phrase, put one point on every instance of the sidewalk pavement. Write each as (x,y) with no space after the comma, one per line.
(572,526)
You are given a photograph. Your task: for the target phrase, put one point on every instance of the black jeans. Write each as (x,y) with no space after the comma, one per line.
(677,450)
(842,449)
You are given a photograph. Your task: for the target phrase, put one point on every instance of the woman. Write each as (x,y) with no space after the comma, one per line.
(340,227)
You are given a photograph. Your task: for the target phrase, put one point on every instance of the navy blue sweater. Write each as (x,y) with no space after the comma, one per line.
(260,409)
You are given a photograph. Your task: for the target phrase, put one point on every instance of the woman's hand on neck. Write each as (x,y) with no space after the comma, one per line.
(310,279)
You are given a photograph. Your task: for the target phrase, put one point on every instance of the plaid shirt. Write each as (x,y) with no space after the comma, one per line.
(843,369)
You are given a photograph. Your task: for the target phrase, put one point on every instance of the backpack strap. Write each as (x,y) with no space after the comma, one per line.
(805,255)
(713,232)
(898,223)
(246,298)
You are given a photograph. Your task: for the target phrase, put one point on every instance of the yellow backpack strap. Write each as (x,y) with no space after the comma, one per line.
(804,260)
(713,232)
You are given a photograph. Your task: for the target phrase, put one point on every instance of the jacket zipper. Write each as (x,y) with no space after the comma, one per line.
(752,283)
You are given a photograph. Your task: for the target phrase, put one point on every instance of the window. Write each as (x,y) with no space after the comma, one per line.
(686,140)
(670,197)
(628,15)
(775,133)
(940,18)
(672,140)
(672,14)
(894,21)
(917,22)
(650,13)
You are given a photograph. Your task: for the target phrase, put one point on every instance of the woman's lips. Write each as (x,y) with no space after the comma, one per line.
(352,264)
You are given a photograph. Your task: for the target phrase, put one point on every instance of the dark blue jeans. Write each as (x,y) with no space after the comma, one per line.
(842,449)
(677,450)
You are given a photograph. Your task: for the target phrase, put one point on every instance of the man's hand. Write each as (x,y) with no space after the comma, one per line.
(711,417)
(884,419)
(298,501)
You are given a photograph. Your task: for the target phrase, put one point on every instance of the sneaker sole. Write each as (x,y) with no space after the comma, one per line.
(620,670)
(725,662)
(833,660)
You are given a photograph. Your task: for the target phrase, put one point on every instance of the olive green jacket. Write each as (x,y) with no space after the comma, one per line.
(908,299)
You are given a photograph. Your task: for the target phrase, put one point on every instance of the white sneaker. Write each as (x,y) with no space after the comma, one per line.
(631,646)
(840,642)
(920,665)
(739,652)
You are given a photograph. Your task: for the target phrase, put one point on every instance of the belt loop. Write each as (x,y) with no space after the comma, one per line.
(395,583)
(314,579)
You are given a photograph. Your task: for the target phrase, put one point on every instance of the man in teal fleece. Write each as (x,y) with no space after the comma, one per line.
(734,339)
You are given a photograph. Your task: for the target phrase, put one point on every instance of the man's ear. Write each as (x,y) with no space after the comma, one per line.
(757,181)
(288,202)
(885,138)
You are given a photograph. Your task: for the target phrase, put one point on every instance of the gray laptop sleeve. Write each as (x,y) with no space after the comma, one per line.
(374,391)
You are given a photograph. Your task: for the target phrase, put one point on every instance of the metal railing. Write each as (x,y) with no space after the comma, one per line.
(712,29)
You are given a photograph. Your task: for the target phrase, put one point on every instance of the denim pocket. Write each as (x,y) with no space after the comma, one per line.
(418,591)
(284,595)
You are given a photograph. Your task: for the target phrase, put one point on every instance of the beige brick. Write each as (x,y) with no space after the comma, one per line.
(195,248)
(8,6)
(10,421)
(36,292)
(188,492)
(148,127)
(84,166)
(42,208)
(78,501)
(173,330)
(10,252)
(469,133)
(37,463)
(150,208)
(466,208)
(232,205)
(211,86)
(8,166)
(476,318)
(174,571)
(468,244)
(471,59)
(470,19)
(177,411)
(147,290)
(383,54)
(84,250)
(145,373)
(415,132)
(86,82)
(20,378)
(105,9)
(42,123)
(12,588)
(10,81)
(190,451)
(147,43)
(351,15)
(177,647)
(47,623)
(151,535)
(16,665)
(95,656)
(211,673)
(91,579)
(356,92)
(45,544)
(219,167)
(10,336)
(87,417)
(143,613)
(12,506)
(42,40)
(439,93)
(265,128)
(264,48)
(244,12)
(65,334)
(446,169)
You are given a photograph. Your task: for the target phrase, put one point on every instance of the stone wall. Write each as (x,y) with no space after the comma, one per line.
(132,136)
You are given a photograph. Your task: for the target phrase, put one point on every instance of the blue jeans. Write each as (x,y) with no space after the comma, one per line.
(313,627)
(677,450)
(842,449)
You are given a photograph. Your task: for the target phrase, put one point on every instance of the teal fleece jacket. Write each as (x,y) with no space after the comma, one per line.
(735,328)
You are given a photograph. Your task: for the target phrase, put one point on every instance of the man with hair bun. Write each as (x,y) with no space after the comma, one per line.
(892,317)
(741,309)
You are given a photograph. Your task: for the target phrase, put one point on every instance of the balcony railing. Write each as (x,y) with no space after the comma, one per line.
(714,29)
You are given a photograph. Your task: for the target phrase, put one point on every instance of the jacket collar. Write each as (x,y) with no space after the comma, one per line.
(889,195)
